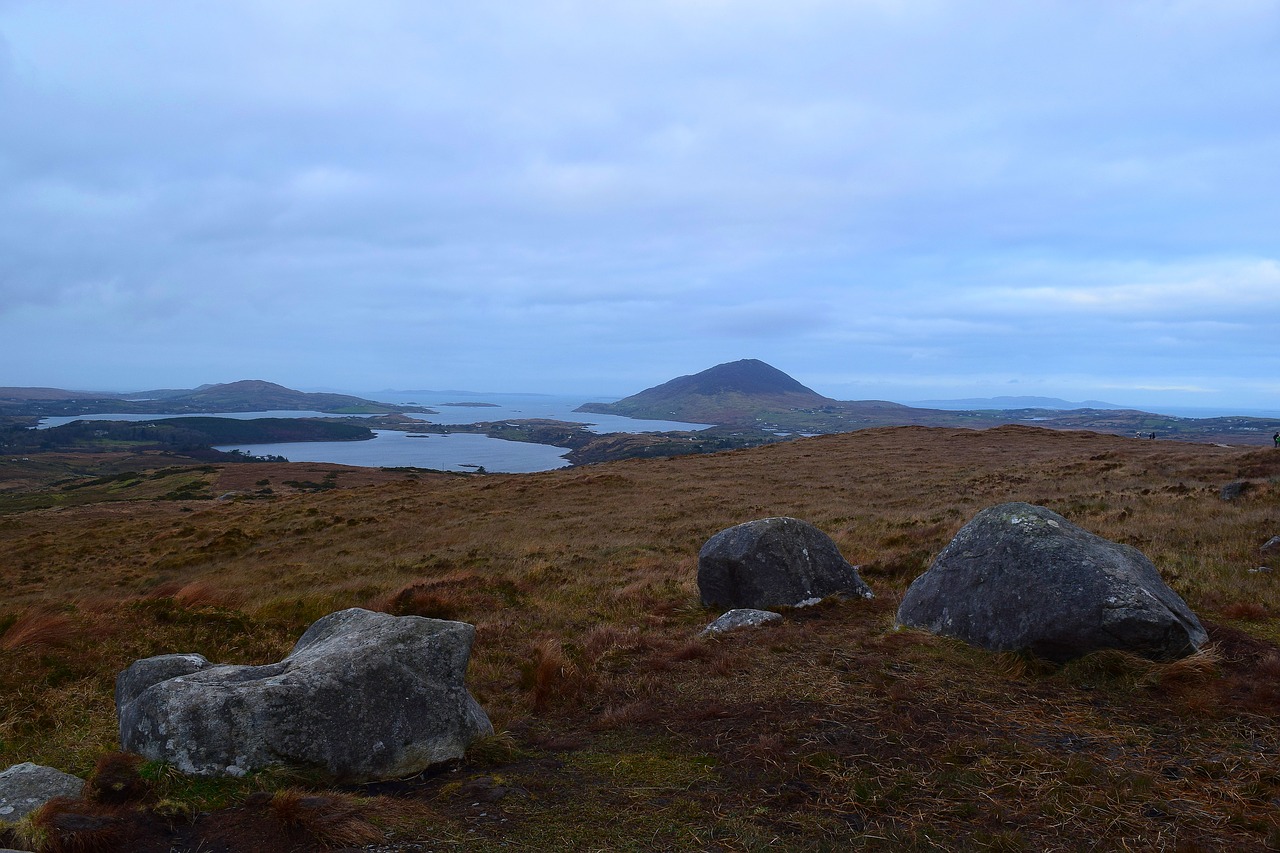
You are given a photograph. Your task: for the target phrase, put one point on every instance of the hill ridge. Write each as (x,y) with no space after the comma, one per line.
(737,392)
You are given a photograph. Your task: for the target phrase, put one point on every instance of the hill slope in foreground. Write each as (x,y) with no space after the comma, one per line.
(619,728)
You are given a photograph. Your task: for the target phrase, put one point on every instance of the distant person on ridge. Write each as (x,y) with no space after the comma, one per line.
(1276,439)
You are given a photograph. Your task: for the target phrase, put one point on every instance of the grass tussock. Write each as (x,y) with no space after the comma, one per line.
(551,677)
(117,778)
(1245,611)
(620,728)
(330,819)
(66,825)
(1119,668)
(36,629)
(204,593)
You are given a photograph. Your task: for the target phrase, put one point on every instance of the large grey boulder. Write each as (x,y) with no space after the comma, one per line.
(366,696)
(1021,577)
(774,562)
(26,787)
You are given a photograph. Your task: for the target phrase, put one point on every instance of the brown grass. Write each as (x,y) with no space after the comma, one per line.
(117,779)
(552,678)
(35,629)
(65,825)
(629,733)
(332,819)
(204,593)
(1245,611)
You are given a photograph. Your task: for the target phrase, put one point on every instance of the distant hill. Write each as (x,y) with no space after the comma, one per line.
(179,434)
(754,401)
(250,395)
(1006,403)
(726,393)
(257,395)
(750,393)
(27,394)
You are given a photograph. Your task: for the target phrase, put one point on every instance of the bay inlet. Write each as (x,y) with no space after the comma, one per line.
(453,452)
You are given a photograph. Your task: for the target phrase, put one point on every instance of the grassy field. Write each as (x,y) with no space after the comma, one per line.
(618,728)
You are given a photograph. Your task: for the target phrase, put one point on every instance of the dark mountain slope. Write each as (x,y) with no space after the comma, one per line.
(747,376)
(249,395)
(256,394)
(746,392)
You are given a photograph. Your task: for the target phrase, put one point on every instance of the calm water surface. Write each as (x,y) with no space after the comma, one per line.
(458,452)
(394,449)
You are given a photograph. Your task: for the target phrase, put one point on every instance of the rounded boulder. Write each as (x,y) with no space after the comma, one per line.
(774,562)
(1021,577)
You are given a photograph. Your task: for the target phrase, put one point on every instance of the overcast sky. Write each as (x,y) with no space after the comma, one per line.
(895,199)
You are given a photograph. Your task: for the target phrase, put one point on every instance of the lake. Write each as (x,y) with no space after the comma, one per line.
(456,452)
(394,449)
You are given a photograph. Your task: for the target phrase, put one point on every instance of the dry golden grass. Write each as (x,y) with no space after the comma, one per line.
(624,731)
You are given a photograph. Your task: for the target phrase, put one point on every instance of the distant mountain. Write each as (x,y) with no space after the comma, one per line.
(26,394)
(751,396)
(1005,403)
(250,395)
(726,393)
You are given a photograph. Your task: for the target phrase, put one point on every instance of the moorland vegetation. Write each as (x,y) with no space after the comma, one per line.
(618,726)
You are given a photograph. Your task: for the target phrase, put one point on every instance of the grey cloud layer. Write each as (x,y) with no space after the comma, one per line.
(604,195)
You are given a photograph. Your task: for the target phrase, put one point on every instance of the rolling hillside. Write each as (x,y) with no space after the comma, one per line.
(621,729)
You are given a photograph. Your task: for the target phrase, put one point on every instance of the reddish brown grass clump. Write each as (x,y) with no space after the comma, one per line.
(39,628)
(329,819)
(552,678)
(116,779)
(1245,611)
(66,825)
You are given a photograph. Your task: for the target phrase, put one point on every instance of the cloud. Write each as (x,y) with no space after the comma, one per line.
(1191,292)
(628,189)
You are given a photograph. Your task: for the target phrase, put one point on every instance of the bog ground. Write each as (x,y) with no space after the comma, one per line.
(619,729)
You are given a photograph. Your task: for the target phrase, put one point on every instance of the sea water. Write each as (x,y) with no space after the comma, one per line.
(455,452)
(394,449)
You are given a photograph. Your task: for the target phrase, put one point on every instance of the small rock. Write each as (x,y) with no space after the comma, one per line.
(26,787)
(1231,491)
(1259,570)
(1272,546)
(743,617)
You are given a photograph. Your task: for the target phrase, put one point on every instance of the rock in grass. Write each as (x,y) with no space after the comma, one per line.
(1271,546)
(1232,491)
(743,617)
(366,696)
(26,787)
(774,562)
(1020,577)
